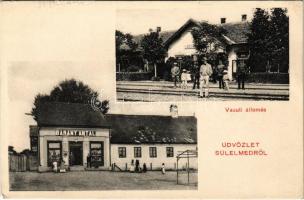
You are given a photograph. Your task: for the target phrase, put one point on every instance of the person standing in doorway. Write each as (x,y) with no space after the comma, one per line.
(175,73)
(205,73)
(241,74)
(196,75)
(71,158)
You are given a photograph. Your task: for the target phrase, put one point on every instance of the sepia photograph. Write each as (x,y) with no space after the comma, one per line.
(190,55)
(140,99)
(71,140)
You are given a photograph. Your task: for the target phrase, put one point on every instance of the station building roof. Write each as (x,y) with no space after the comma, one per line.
(236,33)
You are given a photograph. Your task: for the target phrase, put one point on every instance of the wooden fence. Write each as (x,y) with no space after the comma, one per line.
(22,163)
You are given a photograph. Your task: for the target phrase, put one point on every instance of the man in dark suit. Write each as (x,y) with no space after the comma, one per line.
(241,72)
(196,75)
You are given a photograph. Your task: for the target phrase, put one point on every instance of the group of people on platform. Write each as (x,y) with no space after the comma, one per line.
(201,75)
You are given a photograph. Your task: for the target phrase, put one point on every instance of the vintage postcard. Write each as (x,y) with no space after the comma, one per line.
(191,99)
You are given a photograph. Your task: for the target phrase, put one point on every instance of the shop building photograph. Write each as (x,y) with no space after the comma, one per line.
(248,55)
(72,133)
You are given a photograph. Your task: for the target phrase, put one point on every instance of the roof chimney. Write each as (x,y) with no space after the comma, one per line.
(223,20)
(174,111)
(244,18)
(158,29)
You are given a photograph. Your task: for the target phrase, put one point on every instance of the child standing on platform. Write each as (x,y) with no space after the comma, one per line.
(184,78)
(226,79)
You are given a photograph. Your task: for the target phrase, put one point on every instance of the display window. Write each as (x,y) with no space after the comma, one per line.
(54,150)
(97,154)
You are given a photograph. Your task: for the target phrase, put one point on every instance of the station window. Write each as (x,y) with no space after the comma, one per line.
(137,152)
(170,151)
(54,152)
(122,152)
(153,152)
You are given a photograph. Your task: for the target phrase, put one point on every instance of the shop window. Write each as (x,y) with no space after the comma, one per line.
(137,152)
(153,152)
(170,151)
(122,152)
(96,152)
(54,150)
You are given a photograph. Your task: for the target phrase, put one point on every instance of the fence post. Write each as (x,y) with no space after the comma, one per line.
(188,167)
(176,170)
(28,163)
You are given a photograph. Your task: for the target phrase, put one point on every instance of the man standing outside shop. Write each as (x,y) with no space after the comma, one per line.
(175,73)
(241,74)
(196,75)
(205,73)
(89,160)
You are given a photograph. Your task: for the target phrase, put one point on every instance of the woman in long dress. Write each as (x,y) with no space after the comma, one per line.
(132,167)
(163,168)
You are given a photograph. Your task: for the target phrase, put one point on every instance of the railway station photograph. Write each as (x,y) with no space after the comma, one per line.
(199,56)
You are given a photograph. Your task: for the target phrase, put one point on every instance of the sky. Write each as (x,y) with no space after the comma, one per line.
(138,21)
(172,19)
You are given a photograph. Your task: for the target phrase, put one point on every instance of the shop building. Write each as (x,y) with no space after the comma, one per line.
(68,133)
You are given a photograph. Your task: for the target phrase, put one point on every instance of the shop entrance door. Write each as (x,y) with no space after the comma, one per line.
(75,157)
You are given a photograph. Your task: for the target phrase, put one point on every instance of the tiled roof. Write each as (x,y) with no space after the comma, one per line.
(236,32)
(165,35)
(69,114)
(125,129)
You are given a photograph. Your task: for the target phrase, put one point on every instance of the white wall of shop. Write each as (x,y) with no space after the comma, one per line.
(170,162)
(49,134)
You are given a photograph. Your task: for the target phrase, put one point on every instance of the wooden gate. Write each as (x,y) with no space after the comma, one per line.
(22,163)
(17,163)
(32,163)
